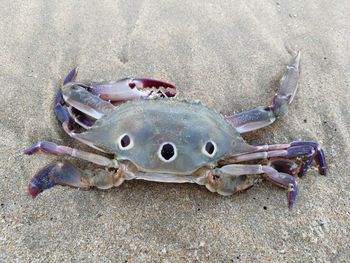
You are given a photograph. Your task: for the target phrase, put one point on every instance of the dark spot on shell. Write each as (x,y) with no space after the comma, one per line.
(125,141)
(167,151)
(210,148)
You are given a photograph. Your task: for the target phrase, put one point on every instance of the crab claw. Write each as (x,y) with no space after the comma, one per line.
(41,181)
(165,89)
(56,174)
(130,89)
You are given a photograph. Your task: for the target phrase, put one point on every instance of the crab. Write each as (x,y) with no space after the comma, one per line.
(144,133)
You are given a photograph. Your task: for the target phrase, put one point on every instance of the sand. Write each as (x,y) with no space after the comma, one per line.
(230,55)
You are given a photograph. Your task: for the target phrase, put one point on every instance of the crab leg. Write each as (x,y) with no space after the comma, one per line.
(231,178)
(72,75)
(54,149)
(303,149)
(263,116)
(81,119)
(284,165)
(66,174)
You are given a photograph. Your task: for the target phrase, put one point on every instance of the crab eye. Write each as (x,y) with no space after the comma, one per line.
(167,152)
(209,149)
(125,142)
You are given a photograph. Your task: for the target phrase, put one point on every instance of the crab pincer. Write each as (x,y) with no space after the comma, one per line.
(55,174)
(132,88)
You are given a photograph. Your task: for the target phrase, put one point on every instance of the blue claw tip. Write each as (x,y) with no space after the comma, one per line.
(41,181)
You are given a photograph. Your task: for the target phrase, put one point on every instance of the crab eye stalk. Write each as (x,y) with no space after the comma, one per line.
(209,149)
(125,142)
(167,152)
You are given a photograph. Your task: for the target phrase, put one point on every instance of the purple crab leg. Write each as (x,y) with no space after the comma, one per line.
(63,113)
(72,75)
(61,110)
(54,149)
(303,149)
(225,178)
(79,118)
(263,116)
(319,155)
(283,180)
(284,165)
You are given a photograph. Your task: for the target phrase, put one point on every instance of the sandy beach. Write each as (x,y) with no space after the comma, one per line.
(228,54)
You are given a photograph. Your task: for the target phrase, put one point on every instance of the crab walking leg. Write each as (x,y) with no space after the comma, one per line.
(66,174)
(61,111)
(263,116)
(228,179)
(72,75)
(284,165)
(292,152)
(81,119)
(52,148)
(75,95)
(65,114)
(304,149)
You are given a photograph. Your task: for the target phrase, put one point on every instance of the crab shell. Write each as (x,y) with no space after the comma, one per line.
(150,124)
